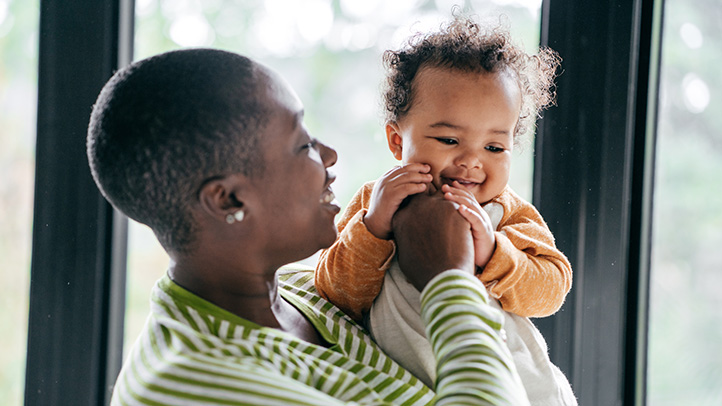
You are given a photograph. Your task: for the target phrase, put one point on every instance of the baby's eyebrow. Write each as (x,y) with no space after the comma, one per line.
(499,132)
(446,124)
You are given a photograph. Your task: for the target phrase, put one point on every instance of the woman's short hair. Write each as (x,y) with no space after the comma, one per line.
(163,126)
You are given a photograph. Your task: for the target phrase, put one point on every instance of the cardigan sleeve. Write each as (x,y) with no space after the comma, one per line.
(350,273)
(527,273)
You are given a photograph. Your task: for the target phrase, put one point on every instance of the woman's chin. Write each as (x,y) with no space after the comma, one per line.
(330,239)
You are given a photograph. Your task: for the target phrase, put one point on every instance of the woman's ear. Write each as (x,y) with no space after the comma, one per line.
(222,196)
(393,136)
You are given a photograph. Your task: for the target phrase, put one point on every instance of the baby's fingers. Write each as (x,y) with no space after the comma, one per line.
(402,190)
(408,168)
(457,189)
(463,199)
(410,177)
(474,218)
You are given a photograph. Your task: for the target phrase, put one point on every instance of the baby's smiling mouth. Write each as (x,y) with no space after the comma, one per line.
(463,182)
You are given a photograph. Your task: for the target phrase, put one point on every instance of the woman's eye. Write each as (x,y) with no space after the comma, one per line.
(447,141)
(310,145)
(492,148)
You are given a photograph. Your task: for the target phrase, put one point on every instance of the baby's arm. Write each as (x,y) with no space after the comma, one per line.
(527,273)
(350,273)
(521,265)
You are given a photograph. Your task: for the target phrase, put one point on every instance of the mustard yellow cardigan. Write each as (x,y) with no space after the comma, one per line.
(527,273)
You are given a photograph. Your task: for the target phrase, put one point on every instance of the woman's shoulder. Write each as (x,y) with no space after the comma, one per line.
(296,283)
(298,275)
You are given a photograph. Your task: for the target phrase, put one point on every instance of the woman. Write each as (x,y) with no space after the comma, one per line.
(208,149)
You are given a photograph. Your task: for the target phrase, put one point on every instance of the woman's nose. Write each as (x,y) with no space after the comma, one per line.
(328,154)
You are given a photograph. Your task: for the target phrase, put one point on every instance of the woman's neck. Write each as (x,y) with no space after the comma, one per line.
(250,294)
(248,291)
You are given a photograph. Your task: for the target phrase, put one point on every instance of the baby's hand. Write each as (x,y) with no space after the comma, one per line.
(481,228)
(388,193)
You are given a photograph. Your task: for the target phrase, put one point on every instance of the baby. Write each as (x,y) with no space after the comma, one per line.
(457,102)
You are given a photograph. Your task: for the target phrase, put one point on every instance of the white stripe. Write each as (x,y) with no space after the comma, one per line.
(224,328)
(200,322)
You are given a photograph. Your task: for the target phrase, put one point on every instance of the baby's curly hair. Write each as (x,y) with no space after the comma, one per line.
(465,45)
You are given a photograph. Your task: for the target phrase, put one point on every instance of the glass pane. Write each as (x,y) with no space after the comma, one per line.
(330,52)
(685,332)
(18,103)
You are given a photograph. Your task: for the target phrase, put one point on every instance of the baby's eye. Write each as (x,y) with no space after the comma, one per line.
(446,141)
(494,149)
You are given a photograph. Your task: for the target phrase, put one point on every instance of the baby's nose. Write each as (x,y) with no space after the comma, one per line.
(468,160)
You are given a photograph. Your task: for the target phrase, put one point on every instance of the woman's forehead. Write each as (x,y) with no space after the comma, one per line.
(278,91)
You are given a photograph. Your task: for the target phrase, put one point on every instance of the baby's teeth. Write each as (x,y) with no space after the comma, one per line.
(327,197)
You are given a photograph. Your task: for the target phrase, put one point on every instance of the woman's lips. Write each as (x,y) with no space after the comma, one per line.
(328,199)
(327,196)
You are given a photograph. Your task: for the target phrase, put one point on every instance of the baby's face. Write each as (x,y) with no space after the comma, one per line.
(462,124)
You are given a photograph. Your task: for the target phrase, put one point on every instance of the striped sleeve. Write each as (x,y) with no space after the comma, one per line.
(474,366)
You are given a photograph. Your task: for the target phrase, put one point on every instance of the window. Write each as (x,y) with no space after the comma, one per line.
(685,362)
(18,92)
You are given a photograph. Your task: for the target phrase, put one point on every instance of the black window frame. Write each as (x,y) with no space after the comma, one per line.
(593,184)
(77,276)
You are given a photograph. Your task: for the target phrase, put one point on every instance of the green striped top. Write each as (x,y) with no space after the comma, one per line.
(192,352)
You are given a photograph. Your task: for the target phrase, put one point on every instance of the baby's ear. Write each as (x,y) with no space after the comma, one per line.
(393,136)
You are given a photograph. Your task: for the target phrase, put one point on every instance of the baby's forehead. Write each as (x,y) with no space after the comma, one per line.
(438,81)
(440,77)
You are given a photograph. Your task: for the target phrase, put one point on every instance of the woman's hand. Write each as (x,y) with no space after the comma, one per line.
(431,238)
(388,193)
(481,228)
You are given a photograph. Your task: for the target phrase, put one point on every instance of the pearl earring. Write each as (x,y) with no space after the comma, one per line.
(237,216)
